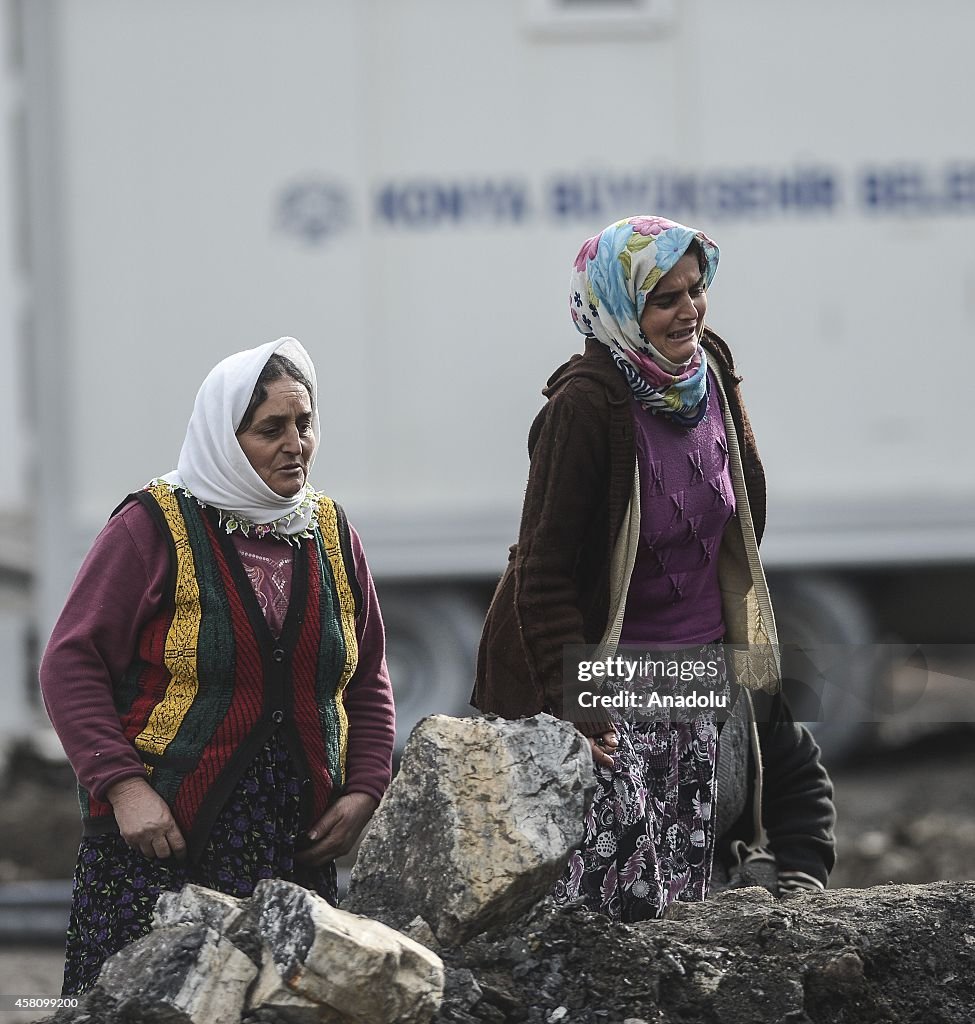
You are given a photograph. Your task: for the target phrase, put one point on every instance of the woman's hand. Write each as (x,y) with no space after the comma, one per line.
(603,747)
(145,820)
(337,830)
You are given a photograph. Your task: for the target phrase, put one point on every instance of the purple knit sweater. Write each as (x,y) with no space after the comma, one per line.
(686,501)
(119,588)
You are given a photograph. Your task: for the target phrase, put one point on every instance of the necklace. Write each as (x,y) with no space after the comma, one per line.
(233,521)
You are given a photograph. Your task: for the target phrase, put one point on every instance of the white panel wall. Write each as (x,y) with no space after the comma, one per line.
(17,417)
(14,412)
(434,325)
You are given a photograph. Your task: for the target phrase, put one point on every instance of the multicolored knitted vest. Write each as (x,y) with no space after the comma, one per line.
(210,682)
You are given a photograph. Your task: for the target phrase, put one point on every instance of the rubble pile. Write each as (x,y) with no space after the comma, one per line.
(452,880)
(891,954)
(284,954)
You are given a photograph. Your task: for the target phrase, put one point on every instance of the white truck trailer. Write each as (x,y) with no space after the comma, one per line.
(403,185)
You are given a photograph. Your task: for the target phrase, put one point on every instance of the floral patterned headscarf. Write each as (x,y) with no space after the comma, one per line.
(611,279)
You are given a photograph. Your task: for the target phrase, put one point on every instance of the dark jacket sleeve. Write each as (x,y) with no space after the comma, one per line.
(797,795)
(539,608)
(569,473)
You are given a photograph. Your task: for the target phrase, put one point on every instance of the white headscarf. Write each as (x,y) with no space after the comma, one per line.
(212,465)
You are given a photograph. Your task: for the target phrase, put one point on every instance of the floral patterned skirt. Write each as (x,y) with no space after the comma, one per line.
(255,836)
(648,836)
(649,833)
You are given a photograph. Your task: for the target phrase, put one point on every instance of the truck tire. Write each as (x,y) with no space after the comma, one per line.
(431,649)
(830,660)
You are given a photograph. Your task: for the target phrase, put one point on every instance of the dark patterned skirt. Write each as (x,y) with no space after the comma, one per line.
(648,836)
(255,836)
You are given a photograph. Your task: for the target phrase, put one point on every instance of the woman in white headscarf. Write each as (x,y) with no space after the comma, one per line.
(218,674)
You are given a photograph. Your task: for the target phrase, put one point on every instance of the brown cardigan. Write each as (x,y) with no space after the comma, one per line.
(555,590)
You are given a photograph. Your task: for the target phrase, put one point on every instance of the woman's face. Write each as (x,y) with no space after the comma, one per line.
(280,441)
(673,317)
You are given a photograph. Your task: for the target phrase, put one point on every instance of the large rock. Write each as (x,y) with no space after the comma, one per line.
(181,974)
(324,964)
(476,826)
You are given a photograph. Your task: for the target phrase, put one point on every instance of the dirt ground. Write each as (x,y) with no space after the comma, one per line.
(27,971)
(906,813)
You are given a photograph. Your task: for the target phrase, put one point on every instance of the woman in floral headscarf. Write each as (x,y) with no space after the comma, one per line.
(644,507)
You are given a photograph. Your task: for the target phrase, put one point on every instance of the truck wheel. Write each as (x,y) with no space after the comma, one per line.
(431,648)
(830,660)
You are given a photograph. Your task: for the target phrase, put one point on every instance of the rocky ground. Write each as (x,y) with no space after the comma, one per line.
(906,815)
(873,956)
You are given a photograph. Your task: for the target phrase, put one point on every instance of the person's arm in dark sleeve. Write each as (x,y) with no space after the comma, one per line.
(797,802)
(568,476)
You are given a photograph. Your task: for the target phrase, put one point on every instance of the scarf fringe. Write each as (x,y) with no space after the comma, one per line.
(235,522)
